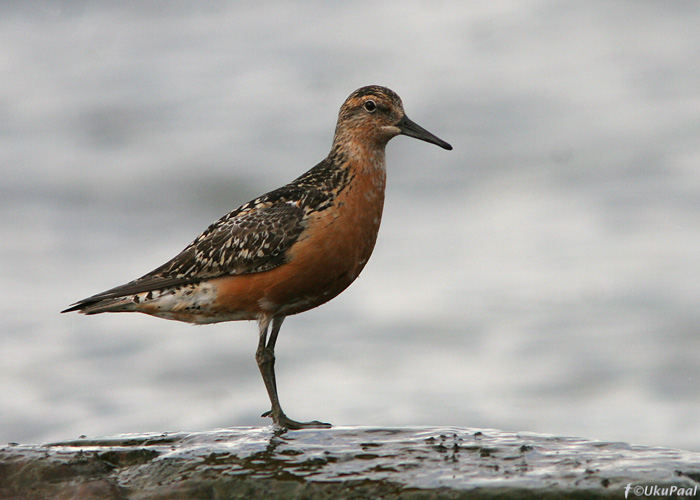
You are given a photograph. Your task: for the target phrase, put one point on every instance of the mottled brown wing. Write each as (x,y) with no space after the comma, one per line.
(252,238)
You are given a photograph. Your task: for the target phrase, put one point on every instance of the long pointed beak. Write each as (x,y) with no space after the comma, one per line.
(412,129)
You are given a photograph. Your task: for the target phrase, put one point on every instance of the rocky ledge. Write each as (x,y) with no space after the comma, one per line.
(344,463)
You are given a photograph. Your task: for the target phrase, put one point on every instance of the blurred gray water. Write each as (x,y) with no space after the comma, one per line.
(543,276)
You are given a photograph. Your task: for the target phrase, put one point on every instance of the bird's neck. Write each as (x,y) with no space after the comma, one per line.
(360,154)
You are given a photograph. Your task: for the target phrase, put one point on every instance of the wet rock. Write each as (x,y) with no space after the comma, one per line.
(341,463)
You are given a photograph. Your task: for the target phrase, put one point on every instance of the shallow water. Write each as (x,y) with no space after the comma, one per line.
(345,462)
(542,276)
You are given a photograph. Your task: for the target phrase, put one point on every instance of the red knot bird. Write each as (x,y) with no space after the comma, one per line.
(287,251)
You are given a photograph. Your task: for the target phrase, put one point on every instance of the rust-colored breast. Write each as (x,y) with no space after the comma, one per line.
(328,256)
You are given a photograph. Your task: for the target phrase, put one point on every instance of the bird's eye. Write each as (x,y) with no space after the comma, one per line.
(370,105)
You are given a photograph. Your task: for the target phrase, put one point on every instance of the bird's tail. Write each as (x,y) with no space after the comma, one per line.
(97,306)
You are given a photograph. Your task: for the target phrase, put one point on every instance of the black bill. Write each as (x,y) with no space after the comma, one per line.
(412,129)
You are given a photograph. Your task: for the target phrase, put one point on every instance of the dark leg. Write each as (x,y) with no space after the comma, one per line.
(265,356)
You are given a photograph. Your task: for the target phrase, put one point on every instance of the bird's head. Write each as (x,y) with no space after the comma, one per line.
(375,114)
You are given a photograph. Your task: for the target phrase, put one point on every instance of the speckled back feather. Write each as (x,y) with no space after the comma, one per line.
(252,238)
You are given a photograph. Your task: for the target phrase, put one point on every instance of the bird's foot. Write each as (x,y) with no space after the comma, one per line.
(287,423)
